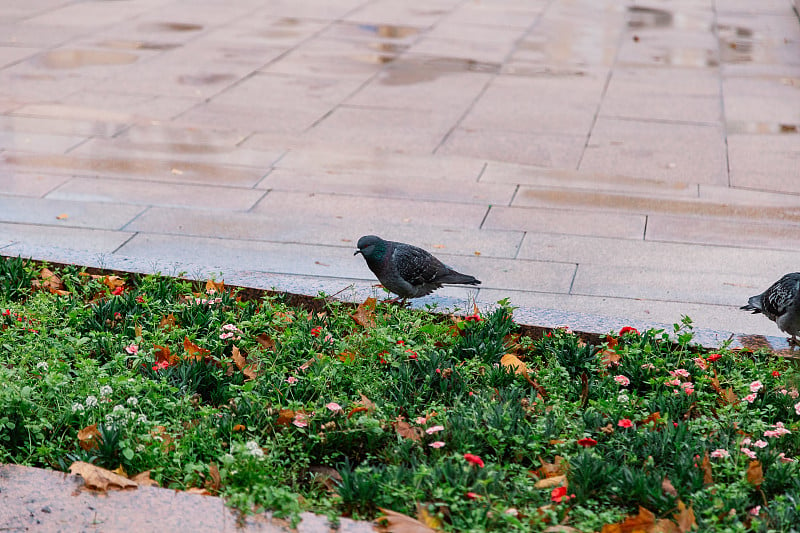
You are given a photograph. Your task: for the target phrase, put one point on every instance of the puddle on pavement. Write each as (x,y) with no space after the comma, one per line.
(648,17)
(68,59)
(170,26)
(424,69)
(136,45)
(779,346)
(735,44)
(387,31)
(204,79)
(739,126)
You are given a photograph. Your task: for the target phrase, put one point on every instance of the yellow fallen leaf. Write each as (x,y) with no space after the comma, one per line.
(550,482)
(394,522)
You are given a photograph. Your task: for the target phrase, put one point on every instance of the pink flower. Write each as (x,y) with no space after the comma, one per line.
(473,496)
(474,459)
(625,423)
(797,408)
(756,386)
(688,390)
(622,380)
(434,429)
(784,459)
(117,316)
(226,335)
(750,398)
(674,382)
(701,363)
(291,380)
(333,406)
(329,338)
(473,318)
(420,420)
(755,510)
(746,441)
(720,453)
(316,331)
(230,327)
(748,452)
(132,349)
(682,372)
(779,430)
(793,393)
(436,444)
(649,366)
(760,444)
(300,420)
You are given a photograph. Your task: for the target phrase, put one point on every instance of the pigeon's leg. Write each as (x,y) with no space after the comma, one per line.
(793,341)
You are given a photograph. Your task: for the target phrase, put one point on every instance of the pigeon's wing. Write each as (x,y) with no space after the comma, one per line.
(415,265)
(783,293)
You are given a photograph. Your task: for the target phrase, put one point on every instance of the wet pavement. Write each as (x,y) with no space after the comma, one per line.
(598,162)
(621,160)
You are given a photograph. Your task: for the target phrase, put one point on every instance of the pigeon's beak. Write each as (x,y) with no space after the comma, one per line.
(357,252)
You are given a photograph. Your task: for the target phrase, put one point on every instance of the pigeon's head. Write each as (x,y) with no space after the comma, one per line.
(371,247)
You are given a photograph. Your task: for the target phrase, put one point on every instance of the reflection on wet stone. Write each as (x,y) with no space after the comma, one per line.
(735,44)
(137,45)
(648,17)
(204,79)
(423,69)
(170,26)
(68,59)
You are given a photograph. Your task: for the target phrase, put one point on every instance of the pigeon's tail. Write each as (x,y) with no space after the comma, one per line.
(456,278)
(753,304)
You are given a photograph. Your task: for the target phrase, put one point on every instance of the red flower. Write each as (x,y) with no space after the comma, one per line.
(401,343)
(117,315)
(625,423)
(474,459)
(628,329)
(587,442)
(713,357)
(473,496)
(316,331)
(560,493)
(776,374)
(412,354)
(140,299)
(118,291)
(473,318)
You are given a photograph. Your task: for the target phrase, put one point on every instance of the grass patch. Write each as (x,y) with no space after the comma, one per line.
(459,422)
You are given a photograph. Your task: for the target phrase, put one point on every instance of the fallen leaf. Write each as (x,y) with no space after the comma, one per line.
(285,417)
(52,282)
(177,171)
(265,341)
(560,529)
(550,482)
(609,358)
(167,322)
(215,286)
(755,473)
(346,357)
(514,362)
(143,479)
(120,471)
(364,315)
(643,522)
(708,478)
(198,490)
(62,216)
(684,518)
(652,417)
(248,369)
(326,476)
(668,487)
(239,427)
(664,525)
(366,402)
(216,480)
(394,522)
(476,253)
(89,437)
(193,351)
(424,516)
(163,355)
(440,246)
(113,282)
(407,431)
(555,468)
(98,478)
(356,410)
(159,433)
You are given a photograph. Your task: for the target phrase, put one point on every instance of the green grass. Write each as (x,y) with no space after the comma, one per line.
(291,409)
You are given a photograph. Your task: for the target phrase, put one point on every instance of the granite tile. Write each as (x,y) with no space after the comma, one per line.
(566,221)
(765,162)
(29,184)
(77,214)
(65,126)
(38,142)
(703,230)
(54,236)
(542,149)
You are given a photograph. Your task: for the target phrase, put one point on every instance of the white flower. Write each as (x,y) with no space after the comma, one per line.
(132,401)
(623,398)
(109,419)
(254,449)
(760,444)
(142,418)
(77,407)
(91,401)
(118,408)
(106,390)
(139,448)
(42,365)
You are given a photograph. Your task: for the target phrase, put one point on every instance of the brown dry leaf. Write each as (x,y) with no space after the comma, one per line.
(643,522)
(346,357)
(726,395)
(355,410)
(89,437)
(663,525)
(249,370)
(160,433)
(198,490)
(326,476)
(366,402)
(98,478)
(551,482)
(163,355)
(407,431)
(514,362)
(120,471)
(708,477)
(424,516)
(610,358)
(193,351)
(216,479)
(755,473)
(239,427)
(555,468)
(215,287)
(137,330)
(113,282)
(652,417)
(306,365)
(560,529)
(668,487)
(167,322)
(365,313)
(52,282)
(143,479)
(265,341)
(394,522)
(285,417)
(684,518)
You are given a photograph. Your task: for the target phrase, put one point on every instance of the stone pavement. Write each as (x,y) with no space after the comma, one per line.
(596,161)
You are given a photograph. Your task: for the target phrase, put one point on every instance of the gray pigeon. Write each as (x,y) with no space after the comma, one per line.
(781,304)
(406,270)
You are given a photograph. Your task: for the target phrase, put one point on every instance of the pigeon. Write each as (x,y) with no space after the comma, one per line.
(781,304)
(406,270)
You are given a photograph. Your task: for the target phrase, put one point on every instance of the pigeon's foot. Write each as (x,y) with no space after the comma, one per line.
(793,341)
(402,302)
